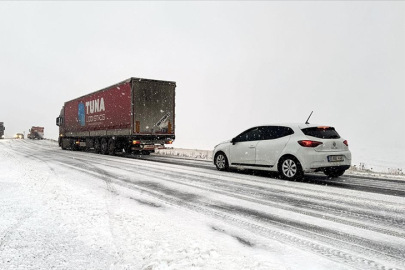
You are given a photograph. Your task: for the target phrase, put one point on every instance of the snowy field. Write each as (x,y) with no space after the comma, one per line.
(76,210)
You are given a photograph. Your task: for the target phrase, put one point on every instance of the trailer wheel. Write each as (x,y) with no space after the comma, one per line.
(111,147)
(97,146)
(72,144)
(104,146)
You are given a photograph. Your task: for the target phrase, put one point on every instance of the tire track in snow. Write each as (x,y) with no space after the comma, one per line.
(184,202)
(172,199)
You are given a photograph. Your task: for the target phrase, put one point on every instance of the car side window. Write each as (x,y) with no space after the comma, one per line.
(275,132)
(253,134)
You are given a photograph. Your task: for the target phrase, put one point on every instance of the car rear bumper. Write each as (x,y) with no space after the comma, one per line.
(312,161)
(333,168)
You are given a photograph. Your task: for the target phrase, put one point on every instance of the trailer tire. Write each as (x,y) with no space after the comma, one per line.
(97,146)
(104,146)
(111,147)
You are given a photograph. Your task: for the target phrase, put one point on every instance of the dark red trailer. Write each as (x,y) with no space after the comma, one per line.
(133,115)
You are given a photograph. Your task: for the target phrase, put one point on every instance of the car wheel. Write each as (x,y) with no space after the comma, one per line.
(290,169)
(221,162)
(111,147)
(333,173)
(104,146)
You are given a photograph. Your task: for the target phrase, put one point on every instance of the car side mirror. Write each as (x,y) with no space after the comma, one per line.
(233,141)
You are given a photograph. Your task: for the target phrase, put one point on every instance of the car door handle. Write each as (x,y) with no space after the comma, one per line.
(252,146)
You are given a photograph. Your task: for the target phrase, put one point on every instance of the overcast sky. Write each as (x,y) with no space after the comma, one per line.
(236,64)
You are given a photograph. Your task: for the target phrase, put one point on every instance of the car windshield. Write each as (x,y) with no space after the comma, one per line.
(321,132)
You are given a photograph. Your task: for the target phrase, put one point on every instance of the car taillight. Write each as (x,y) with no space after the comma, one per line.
(308,143)
(136,142)
(169,142)
(346,143)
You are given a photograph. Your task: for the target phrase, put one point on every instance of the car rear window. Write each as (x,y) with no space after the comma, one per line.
(321,132)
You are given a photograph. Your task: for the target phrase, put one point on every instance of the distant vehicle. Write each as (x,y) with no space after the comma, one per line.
(36,133)
(19,136)
(290,149)
(2,128)
(135,115)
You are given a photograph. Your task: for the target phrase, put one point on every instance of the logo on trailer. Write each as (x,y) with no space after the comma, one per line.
(95,106)
(81,115)
(91,111)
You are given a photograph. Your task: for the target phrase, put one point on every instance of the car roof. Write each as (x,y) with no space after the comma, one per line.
(296,125)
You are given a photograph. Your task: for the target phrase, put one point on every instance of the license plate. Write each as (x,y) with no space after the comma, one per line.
(335,158)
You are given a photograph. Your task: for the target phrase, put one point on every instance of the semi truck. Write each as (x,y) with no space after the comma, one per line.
(135,115)
(36,133)
(2,128)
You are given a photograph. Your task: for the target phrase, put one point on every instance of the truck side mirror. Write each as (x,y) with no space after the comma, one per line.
(59,121)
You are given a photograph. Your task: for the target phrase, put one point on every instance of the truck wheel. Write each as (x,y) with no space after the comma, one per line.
(72,144)
(97,146)
(104,146)
(111,147)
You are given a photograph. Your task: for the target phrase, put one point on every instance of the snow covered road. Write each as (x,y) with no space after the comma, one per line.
(76,210)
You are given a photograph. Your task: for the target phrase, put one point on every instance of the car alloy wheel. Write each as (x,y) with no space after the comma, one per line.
(221,162)
(290,169)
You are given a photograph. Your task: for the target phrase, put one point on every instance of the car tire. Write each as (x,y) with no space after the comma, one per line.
(104,146)
(334,173)
(290,168)
(221,162)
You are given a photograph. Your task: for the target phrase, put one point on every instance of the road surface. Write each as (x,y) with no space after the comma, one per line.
(78,210)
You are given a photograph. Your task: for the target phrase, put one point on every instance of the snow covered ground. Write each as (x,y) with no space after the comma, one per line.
(75,210)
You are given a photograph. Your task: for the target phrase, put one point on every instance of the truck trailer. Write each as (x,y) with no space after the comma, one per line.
(36,133)
(2,128)
(135,115)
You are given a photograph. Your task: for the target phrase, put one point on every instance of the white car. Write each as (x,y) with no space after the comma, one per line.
(290,149)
